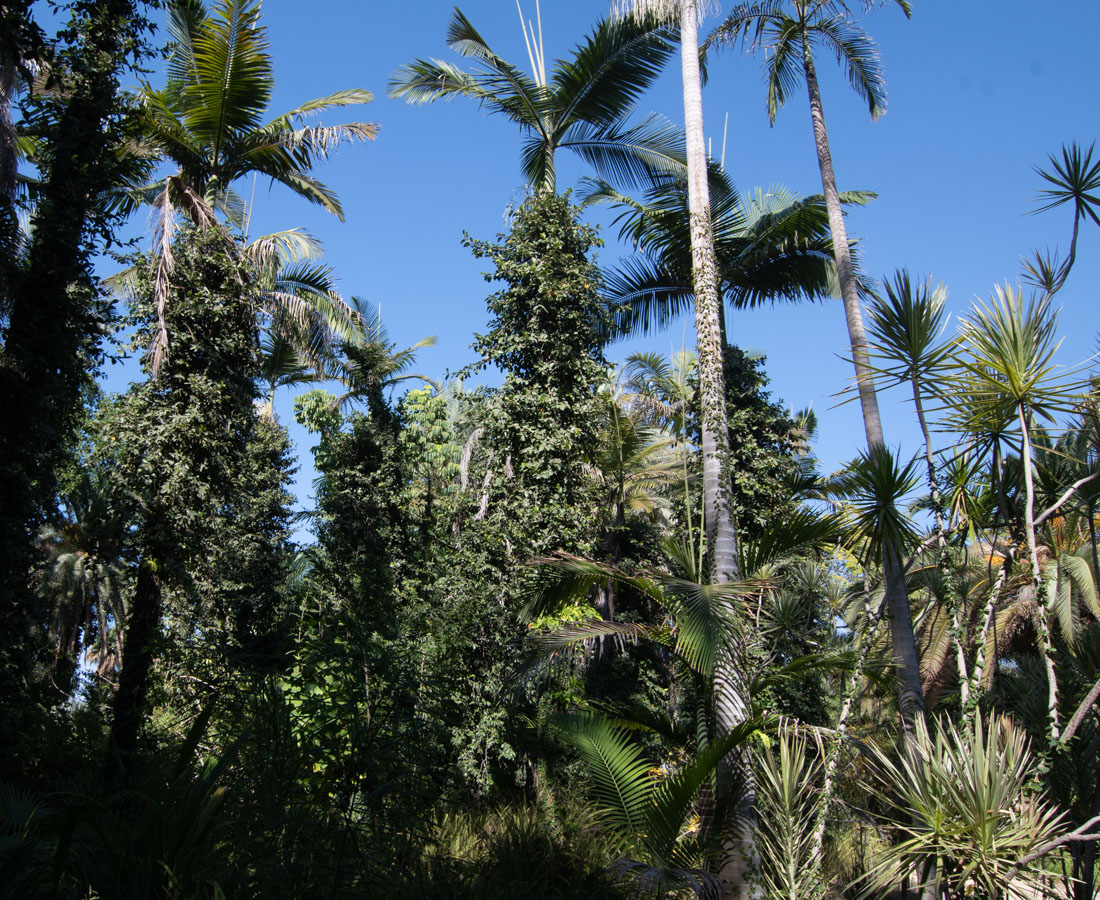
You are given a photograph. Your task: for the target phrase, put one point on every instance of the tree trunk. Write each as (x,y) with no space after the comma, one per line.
(853,313)
(721,540)
(741,858)
(1045,647)
(133,682)
(907,661)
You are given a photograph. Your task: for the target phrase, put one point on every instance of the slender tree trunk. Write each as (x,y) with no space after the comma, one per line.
(907,660)
(715,425)
(1040,589)
(133,682)
(853,313)
(833,756)
(1092,538)
(741,858)
(977,673)
(958,630)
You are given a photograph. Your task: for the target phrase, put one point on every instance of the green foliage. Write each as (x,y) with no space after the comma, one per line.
(318,411)
(546,337)
(516,851)
(653,811)
(52,313)
(762,456)
(968,815)
(768,248)
(206,477)
(581,105)
(787,789)
(209,118)
(83,576)
(179,441)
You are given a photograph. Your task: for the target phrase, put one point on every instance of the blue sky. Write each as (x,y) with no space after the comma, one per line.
(979,92)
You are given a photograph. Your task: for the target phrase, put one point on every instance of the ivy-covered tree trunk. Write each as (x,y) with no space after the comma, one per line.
(53,309)
(55,314)
(180,444)
(541,430)
(133,682)
(546,338)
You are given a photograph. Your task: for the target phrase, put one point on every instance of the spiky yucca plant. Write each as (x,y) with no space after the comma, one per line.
(968,817)
(787,784)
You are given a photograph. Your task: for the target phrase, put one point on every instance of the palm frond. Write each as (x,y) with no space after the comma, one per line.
(629,154)
(858,55)
(1075,179)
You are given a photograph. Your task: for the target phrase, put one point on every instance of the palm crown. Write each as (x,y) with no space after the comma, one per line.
(580,106)
(769,247)
(787,36)
(209,118)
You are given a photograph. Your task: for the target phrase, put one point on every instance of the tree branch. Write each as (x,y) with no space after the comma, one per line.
(1070,491)
(1078,834)
(1082,711)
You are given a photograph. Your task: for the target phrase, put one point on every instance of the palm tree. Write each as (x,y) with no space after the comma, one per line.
(280,366)
(1075,179)
(721,540)
(731,701)
(1008,361)
(632,462)
(581,106)
(81,578)
(208,121)
(907,327)
(788,39)
(907,334)
(664,394)
(698,633)
(677,829)
(371,362)
(768,246)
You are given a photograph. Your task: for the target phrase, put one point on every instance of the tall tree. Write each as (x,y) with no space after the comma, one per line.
(730,697)
(209,121)
(788,38)
(547,336)
(581,106)
(54,313)
(180,444)
(788,31)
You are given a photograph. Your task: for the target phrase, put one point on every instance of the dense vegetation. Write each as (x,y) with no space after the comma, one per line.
(602,630)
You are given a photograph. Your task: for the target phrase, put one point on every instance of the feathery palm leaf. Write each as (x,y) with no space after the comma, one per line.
(581,106)
(769,247)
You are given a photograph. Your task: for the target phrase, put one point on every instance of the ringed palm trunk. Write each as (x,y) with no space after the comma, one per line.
(740,855)
(708,314)
(907,661)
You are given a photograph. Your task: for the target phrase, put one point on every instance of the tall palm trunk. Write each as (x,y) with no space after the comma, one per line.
(730,701)
(907,661)
(868,400)
(708,319)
